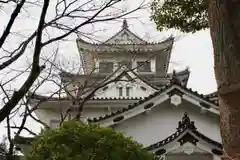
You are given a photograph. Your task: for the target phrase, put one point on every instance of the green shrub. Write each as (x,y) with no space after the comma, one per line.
(74,141)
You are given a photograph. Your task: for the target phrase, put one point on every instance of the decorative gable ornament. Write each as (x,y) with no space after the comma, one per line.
(188,148)
(125,36)
(125,24)
(176,99)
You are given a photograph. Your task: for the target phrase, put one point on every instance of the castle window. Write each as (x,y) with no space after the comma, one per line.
(120,91)
(128,91)
(106,67)
(125,63)
(143,66)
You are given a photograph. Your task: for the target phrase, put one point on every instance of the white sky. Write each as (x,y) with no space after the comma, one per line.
(192,50)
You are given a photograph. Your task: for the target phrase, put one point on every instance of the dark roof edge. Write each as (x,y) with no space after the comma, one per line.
(65,73)
(49,98)
(212,95)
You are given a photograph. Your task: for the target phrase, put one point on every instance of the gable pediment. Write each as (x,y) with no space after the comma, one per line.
(124,36)
(125,79)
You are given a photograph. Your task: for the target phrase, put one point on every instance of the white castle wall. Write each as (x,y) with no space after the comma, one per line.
(159,123)
(151,127)
(54,115)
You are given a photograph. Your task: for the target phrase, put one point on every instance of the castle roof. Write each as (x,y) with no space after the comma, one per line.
(153,80)
(143,105)
(39,97)
(125,40)
(173,85)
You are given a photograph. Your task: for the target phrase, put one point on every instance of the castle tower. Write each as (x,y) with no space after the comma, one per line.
(125,85)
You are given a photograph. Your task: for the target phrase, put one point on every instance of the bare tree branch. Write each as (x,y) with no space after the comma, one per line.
(11,21)
(35,71)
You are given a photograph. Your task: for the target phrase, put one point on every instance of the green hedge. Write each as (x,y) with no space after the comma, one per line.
(74,141)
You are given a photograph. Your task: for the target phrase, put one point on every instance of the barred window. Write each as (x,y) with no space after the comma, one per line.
(143,66)
(120,91)
(128,91)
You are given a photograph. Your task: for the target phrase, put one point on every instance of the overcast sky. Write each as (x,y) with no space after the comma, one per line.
(191,50)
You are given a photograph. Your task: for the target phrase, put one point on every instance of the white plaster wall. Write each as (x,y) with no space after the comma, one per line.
(93,112)
(46,115)
(162,121)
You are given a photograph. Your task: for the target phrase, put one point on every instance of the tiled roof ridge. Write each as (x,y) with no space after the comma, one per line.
(212,95)
(49,98)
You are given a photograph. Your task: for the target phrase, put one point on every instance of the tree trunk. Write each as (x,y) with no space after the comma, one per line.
(224,22)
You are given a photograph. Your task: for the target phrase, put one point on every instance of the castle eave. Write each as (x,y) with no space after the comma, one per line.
(146,47)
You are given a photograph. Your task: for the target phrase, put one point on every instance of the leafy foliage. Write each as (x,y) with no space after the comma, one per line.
(74,141)
(184,15)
